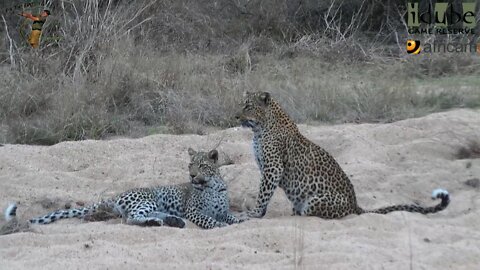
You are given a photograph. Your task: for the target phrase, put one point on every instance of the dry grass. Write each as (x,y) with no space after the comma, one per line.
(15,226)
(470,151)
(473,183)
(180,66)
(103,213)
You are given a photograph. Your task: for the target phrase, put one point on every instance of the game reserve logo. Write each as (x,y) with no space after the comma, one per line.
(35,15)
(413,46)
(441,17)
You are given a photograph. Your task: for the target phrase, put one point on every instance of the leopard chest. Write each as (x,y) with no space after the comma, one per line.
(214,204)
(170,199)
(257,145)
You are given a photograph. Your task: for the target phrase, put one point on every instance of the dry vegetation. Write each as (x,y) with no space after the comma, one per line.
(470,151)
(14,226)
(140,67)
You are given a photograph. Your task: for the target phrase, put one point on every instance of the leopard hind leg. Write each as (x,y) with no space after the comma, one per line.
(327,206)
(139,215)
(169,220)
(146,214)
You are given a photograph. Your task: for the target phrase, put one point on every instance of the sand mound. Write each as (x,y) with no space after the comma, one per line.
(393,163)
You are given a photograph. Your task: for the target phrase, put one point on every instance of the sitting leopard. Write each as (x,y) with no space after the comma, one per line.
(312,180)
(204,201)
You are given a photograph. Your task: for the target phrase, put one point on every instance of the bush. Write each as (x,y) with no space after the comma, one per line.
(136,67)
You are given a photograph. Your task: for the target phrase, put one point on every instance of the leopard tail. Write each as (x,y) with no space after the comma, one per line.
(436,194)
(11,212)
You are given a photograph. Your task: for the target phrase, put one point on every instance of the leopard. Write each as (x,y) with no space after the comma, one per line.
(311,178)
(215,203)
(203,201)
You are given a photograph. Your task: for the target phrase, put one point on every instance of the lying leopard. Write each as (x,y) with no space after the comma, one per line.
(203,201)
(313,181)
(214,202)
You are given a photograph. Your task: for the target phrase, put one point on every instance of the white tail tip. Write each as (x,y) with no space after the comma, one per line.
(437,192)
(11,211)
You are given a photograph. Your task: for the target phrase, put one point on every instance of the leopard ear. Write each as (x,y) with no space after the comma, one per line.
(246,94)
(265,98)
(191,152)
(213,155)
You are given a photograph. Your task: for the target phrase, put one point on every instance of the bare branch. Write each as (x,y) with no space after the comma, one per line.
(10,50)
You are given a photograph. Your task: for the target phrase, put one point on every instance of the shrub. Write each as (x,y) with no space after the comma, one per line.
(122,67)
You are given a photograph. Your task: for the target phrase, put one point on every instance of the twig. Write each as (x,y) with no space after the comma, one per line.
(136,15)
(220,141)
(135,26)
(409,242)
(12,59)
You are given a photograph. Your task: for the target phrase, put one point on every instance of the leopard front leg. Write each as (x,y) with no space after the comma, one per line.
(271,176)
(232,219)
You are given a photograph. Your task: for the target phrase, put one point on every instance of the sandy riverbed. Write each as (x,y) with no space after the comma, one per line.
(393,163)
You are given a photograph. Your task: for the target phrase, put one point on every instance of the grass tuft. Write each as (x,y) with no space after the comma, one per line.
(470,151)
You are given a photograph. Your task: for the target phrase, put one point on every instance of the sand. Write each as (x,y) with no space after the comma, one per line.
(399,162)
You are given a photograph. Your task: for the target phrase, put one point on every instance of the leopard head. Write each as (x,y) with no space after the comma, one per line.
(203,169)
(203,157)
(254,109)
